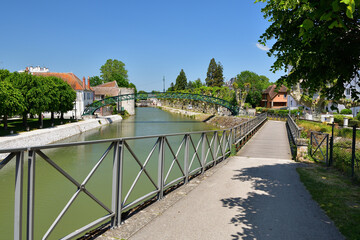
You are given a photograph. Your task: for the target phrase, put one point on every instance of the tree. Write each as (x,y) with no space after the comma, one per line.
(34,91)
(11,100)
(66,97)
(95,80)
(181,81)
(214,76)
(171,88)
(198,83)
(319,39)
(121,81)
(114,70)
(251,86)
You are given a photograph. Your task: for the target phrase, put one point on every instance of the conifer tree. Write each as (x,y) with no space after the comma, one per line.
(214,76)
(181,81)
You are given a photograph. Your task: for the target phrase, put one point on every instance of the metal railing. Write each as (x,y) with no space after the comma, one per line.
(210,148)
(294,129)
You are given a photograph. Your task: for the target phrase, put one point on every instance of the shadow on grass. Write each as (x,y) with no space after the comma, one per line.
(15,126)
(278,207)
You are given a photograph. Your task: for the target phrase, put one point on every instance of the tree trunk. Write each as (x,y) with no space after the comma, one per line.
(25,120)
(5,122)
(40,120)
(62,116)
(52,117)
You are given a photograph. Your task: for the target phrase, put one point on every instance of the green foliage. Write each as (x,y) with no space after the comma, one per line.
(113,69)
(181,81)
(214,76)
(171,88)
(252,85)
(36,94)
(346,111)
(11,100)
(354,122)
(95,80)
(319,39)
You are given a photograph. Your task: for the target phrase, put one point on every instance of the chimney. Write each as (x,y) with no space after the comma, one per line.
(89,82)
(84,83)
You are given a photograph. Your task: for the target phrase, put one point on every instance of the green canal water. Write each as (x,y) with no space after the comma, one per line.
(53,191)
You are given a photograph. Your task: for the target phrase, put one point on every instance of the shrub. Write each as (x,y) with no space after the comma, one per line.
(346,111)
(354,122)
(339,119)
(259,109)
(358,116)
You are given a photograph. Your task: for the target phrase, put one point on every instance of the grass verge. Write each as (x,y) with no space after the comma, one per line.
(16,125)
(337,195)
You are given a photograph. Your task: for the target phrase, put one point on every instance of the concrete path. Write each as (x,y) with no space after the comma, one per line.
(255,195)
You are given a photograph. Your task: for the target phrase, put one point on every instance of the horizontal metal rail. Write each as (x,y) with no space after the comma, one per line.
(191,154)
(294,129)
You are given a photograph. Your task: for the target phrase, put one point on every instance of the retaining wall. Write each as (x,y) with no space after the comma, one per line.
(50,135)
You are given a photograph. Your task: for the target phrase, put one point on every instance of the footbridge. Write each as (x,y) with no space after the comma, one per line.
(162,95)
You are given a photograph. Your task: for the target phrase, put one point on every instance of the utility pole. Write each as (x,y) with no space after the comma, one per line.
(163,83)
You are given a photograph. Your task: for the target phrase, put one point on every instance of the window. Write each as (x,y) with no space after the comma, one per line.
(348,91)
(285,95)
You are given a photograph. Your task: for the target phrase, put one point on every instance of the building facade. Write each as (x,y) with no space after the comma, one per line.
(273,98)
(111,89)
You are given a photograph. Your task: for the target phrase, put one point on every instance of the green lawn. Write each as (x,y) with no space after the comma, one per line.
(16,125)
(337,195)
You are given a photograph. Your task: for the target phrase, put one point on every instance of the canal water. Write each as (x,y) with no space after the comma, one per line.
(53,191)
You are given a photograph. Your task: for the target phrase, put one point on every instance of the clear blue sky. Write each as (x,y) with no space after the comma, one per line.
(153,38)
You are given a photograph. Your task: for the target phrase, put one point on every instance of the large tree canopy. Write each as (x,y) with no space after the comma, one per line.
(320,39)
(251,86)
(114,70)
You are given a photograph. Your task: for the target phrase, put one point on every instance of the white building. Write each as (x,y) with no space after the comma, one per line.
(36,69)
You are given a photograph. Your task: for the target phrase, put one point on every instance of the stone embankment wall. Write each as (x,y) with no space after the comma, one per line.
(196,106)
(50,135)
(220,121)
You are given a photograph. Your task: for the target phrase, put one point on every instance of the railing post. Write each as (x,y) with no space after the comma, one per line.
(203,155)
(31,195)
(311,143)
(215,147)
(116,203)
(327,151)
(161,168)
(224,145)
(331,144)
(353,151)
(186,157)
(19,172)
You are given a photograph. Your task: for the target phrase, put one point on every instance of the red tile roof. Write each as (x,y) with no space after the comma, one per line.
(70,78)
(272,93)
(107,89)
(109,84)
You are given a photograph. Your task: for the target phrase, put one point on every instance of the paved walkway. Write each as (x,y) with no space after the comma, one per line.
(255,195)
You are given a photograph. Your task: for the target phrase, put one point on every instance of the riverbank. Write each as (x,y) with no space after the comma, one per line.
(219,121)
(53,134)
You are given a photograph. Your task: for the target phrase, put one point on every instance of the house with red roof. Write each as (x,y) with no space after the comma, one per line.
(275,98)
(84,93)
(111,89)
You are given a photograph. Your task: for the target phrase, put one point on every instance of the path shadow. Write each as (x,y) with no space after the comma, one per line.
(277,207)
